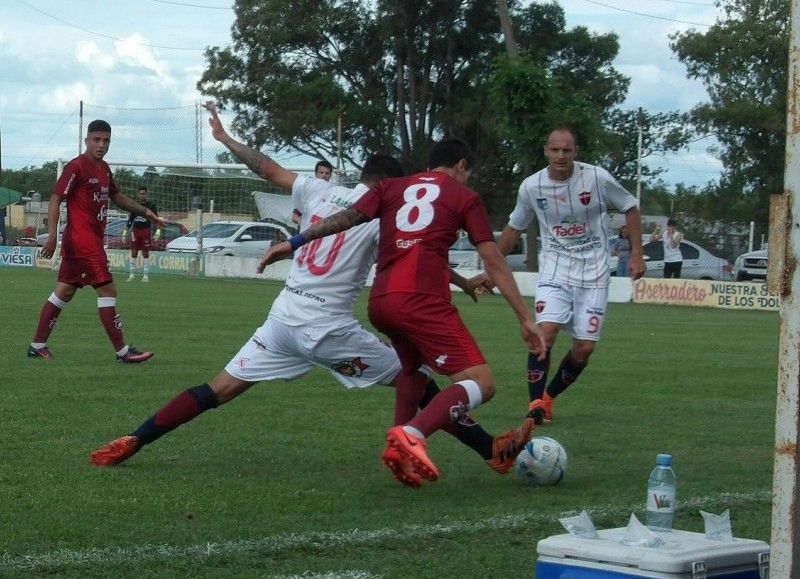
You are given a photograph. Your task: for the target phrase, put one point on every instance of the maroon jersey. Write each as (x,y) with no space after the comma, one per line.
(420,218)
(87,186)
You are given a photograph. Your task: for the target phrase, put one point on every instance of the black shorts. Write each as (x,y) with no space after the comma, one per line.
(672,269)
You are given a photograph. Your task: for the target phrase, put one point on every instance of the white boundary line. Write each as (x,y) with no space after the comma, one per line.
(325,540)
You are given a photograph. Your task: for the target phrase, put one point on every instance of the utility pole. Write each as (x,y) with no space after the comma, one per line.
(80,131)
(783,276)
(639,159)
(339,162)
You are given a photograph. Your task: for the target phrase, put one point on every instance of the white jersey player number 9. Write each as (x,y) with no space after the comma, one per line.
(423,216)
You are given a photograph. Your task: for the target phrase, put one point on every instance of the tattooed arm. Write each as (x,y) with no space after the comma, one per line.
(335,223)
(259,163)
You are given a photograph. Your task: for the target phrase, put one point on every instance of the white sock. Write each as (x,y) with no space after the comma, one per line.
(132,265)
(146,265)
(56,301)
(414,432)
(473,393)
(106,302)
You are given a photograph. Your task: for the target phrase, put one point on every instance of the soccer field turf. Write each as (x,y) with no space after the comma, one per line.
(286,481)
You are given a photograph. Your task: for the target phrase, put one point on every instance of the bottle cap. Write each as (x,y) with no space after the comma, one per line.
(664,459)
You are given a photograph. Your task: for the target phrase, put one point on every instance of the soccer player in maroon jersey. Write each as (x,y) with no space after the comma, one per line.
(141,232)
(87,185)
(410,301)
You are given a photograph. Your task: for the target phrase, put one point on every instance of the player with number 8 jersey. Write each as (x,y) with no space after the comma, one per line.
(420,218)
(410,300)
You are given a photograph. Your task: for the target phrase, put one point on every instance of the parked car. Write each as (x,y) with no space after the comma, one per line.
(236,238)
(464,254)
(751,266)
(698,263)
(113,237)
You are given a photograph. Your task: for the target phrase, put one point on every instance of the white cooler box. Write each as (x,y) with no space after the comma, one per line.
(684,555)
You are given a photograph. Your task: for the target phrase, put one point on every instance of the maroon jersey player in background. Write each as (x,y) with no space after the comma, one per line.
(87,185)
(140,229)
(410,301)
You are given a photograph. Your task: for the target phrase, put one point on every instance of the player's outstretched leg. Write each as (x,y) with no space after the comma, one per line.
(507,446)
(472,434)
(181,409)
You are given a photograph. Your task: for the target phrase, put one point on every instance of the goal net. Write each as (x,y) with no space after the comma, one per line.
(182,192)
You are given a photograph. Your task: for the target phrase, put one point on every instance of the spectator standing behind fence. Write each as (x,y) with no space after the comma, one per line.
(621,247)
(322,170)
(671,238)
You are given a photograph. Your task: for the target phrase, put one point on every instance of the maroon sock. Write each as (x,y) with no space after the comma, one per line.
(447,406)
(407,396)
(47,320)
(113,326)
(181,409)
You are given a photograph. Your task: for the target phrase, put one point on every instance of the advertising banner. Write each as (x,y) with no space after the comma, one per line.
(705,293)
(160,262)
(17,256)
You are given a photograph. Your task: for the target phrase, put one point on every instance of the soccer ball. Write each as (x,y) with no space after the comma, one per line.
(543,462)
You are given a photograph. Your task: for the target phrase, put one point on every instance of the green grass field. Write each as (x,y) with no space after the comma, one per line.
(286,480)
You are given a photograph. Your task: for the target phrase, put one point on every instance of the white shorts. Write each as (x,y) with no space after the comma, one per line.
(352,355)
(581,311)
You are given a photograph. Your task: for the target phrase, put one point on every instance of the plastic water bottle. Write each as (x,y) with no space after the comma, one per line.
(661,495)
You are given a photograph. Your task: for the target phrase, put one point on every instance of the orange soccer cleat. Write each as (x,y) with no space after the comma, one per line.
(541,410)
(402,470)
(506,447)
(412,452)
(115,452)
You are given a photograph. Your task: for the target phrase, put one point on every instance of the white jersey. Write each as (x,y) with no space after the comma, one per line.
(327,274)
(573,222)
(672,254)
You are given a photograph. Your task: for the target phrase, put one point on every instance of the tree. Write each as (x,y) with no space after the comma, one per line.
(743,60)
(406,73)
(32,178)
(394,69)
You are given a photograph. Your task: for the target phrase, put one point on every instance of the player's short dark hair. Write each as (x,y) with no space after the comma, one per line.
(323,163)
(448,152)
(142,188)
(380,167)
(672,222)
(98,126)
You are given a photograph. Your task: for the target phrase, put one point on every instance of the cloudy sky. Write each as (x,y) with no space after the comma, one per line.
(127,60)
